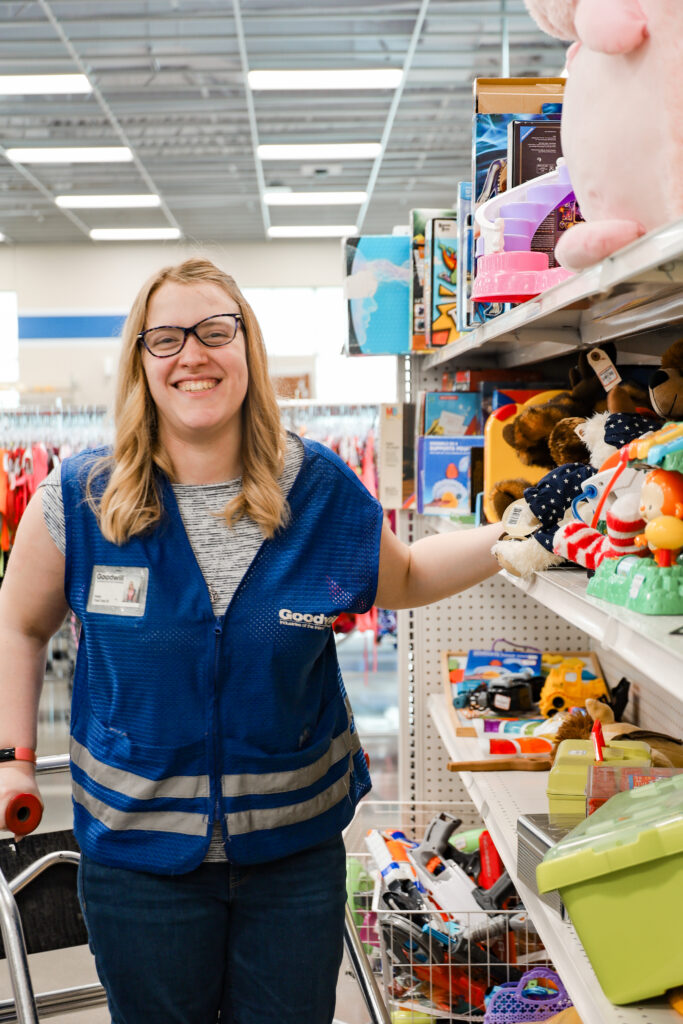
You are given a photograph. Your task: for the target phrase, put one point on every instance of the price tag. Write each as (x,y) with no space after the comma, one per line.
(604,368)
(519,520)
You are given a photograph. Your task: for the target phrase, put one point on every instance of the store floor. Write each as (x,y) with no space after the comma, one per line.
(370,675)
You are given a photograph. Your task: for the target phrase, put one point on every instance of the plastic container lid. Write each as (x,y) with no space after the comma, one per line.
(634,827)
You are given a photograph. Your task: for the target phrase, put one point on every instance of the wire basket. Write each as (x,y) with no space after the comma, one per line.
(439,964)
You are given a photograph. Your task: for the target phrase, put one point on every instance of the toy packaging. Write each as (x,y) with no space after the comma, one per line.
(533,148)
(463,279)
(568,776)
(449,475)
(452,414)
(468,671)
(605,780)
(419,219)
(440,291)
(490,149)
(620,876)
(396,456)
(377,275)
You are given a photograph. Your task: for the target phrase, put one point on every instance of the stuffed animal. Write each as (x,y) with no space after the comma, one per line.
(622,134)
(666,384)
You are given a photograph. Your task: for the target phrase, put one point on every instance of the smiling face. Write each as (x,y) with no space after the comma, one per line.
(199,392)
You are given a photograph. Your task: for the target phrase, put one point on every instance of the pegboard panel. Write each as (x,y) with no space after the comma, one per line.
(650,706)
(491,611)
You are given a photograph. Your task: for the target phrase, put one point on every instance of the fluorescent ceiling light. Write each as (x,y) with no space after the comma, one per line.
(370,78)
(71,155)
(313,231)
(277,198)
(133,234)
(2,237)
(324,151)
(43,85)
(106,202)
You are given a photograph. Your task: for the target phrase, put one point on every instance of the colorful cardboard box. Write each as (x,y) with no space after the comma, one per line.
(449,475)
(377,274)
(452,413)
(440,293)
(418,226)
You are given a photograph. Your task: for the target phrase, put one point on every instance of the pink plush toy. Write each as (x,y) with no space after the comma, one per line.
(622,119)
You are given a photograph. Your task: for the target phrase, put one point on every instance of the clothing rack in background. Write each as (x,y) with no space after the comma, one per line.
(33,440)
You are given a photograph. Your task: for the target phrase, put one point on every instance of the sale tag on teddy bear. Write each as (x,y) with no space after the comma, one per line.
(604,368)
(519,520)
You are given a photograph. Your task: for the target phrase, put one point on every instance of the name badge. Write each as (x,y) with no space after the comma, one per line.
(118,590)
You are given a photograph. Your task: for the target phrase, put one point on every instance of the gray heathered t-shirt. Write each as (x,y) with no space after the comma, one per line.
(223,553)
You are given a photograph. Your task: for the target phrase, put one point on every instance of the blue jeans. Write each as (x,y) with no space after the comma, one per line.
(239,945)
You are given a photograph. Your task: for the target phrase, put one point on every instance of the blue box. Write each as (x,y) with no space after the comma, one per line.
(377,291)
(449,475)
(452,413)
(488,667)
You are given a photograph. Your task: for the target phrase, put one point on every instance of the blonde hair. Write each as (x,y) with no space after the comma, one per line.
(130,503)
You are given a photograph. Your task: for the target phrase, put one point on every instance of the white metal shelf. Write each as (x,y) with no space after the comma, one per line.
(500,798)
(646,642)
(639,289)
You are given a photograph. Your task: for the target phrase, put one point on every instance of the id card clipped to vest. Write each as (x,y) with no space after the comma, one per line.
(118,590)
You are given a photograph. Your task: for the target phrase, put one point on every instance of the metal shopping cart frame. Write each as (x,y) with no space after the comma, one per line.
(28,1008)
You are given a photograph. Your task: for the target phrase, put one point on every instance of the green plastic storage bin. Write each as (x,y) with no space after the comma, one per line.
(620,875)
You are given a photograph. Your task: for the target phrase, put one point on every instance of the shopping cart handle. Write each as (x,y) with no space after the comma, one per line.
(23,813)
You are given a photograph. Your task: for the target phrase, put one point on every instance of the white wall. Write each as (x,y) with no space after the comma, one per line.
(104,278)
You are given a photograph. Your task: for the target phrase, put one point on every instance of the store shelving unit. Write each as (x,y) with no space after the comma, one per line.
(500,797)
(636,299)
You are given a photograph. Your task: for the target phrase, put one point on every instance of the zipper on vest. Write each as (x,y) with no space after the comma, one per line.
(217,774)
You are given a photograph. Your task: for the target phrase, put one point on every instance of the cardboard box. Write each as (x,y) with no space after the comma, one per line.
(440,292)
(396,457)
(490,150)
(418,226)
(533,149)
(527,95)
(377,276)
(449,476)
(452,414)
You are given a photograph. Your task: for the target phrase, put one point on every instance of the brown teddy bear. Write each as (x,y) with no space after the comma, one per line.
(666,384)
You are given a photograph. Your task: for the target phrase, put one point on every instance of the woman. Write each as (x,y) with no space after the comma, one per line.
(214,756)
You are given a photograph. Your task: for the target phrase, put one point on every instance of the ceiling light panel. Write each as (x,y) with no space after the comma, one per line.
(321,151)
(312,231)
(276,198)
(133,234)
(107,202)
(43,85)
(331,78)
(71,155)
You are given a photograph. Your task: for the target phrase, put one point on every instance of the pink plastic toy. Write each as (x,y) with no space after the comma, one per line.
(622,129)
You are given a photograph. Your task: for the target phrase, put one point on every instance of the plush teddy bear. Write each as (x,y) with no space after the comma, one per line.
(622,134)
(666,384)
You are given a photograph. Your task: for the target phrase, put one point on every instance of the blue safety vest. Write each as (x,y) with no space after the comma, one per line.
(181,719)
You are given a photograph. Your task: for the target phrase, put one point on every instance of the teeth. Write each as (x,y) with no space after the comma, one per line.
(196,385)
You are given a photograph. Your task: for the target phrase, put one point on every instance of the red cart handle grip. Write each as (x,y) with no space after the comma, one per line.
(23,813)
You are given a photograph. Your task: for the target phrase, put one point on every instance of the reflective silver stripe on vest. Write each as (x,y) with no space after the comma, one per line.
(189,824)
(276,817)
(185,787)
(355,738)
(285,781)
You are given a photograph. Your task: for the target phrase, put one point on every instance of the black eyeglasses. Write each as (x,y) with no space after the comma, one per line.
(214,332)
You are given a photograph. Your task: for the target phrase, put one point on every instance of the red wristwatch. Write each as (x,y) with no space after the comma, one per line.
(17,754)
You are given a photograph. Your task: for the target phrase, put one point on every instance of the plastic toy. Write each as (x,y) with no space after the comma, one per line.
(23,813)
(506,269)
(527,1000)
(568,685)
(623,95)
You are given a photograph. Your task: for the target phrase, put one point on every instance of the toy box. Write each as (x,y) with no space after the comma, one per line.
(490,149)
(463,274)
(377,276)
(396,456)
(449,475)
(533,149)
(440,291)
(469,670)
(418,226)
(620,876)
(452,414)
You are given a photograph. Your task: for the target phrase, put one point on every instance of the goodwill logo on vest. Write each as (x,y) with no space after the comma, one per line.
(305,619)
